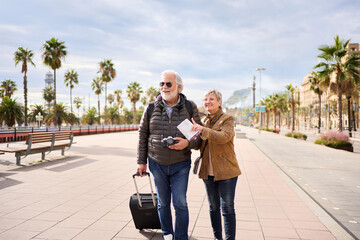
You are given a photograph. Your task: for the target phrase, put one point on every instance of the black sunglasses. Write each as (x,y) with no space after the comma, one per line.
(168,84)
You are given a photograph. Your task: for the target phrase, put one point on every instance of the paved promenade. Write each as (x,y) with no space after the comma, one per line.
(85,195)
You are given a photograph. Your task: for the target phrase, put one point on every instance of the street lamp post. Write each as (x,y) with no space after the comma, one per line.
(260,69)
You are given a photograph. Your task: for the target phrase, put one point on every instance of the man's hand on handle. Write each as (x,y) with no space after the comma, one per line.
(142,168)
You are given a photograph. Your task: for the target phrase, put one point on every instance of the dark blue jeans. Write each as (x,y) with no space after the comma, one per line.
(172,181)
(221,194)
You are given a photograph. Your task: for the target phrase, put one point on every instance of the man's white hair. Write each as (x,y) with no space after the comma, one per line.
(179,81)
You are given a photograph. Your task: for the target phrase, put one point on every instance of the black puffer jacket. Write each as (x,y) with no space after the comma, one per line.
(160,126)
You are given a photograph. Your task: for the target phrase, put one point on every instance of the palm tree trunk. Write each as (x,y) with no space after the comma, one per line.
(319,120)
(340,111)
(274,118)
(279,120)
(99,106)
(25,98)
(55,117)
(134,112)
(105,109)
(267,120)
(71,100)
(293,116)
(349,116)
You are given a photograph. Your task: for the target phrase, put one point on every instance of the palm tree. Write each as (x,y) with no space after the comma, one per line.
(61,115)
(316,82)
(134,90)
(48,95)
(71,78)
(36,109)
(25,56)
(119,101)
(54,52)
(8,87)
(111,99)
(108,73)
(90,116)
(11,112)
(77,101)
(338,63)
(150,95)
(291,97)
(97,86)
(114,114)
(274,107)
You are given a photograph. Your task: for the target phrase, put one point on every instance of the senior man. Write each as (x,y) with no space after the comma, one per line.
(169,163)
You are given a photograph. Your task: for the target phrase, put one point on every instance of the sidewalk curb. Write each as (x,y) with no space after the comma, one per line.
(330,223)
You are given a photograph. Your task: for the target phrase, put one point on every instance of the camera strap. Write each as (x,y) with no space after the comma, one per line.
(201,155)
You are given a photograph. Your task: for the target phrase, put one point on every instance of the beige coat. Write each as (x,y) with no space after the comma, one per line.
(221,146)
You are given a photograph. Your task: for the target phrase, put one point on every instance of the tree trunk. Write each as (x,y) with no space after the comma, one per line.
(134,112)
(105,109)
(71,100)
(340,111)
(99,107)
(293,116)
(274,118)
(349,116)
(319,122)
(25,98)
(55,115)
(267,119)
(279,120)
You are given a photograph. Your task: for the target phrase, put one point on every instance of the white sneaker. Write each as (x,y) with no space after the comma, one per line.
(168,237)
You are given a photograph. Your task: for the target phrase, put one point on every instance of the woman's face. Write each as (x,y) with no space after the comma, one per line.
(211,104)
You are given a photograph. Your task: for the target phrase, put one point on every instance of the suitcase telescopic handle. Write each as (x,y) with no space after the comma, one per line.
(137,190)
(138,174)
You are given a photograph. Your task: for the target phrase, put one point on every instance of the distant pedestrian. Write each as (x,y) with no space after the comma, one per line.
(168,152)
(219,168)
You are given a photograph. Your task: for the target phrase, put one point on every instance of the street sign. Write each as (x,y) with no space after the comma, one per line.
(257,109)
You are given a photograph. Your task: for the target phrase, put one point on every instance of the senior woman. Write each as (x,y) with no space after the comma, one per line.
(219,168)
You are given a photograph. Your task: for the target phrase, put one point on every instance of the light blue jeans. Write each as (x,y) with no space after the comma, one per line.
(172,181)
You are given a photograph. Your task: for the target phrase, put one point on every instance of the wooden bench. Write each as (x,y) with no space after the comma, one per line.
(41,143)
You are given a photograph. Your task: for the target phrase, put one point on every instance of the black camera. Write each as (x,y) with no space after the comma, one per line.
(166,142)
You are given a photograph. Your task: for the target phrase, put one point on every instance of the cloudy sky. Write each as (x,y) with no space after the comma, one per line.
(211,43)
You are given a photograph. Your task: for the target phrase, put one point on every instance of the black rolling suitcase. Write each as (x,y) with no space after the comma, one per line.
(143,207)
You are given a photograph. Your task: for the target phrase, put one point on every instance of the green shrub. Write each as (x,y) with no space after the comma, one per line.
(334,139)
(296,135)
(333,143)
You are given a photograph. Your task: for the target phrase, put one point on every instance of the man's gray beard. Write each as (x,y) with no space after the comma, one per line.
(170,97)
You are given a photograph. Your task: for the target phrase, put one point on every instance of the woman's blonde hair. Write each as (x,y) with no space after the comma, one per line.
(216,93)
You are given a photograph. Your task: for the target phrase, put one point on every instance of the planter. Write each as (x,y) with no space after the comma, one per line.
(346,148)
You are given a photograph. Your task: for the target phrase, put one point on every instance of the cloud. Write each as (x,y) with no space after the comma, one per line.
(12,29)
(212,45)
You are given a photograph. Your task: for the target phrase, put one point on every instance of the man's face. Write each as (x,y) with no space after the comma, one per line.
(169,93)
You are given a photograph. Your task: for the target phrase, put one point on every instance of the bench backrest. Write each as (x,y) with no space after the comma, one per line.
(47,136)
